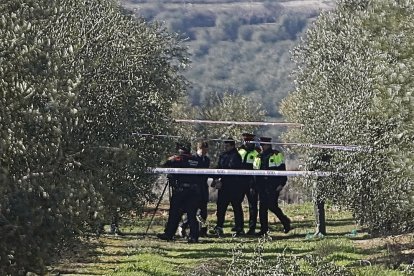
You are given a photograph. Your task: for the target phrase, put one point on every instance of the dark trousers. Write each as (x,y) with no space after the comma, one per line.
(183,200)
(203,214)
(203,203)
(252,195)
(230,193)
(269,197)
(320,217)
(203,210)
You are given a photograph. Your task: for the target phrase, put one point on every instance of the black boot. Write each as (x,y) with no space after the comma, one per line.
(239,232)
(251,232)
(262,233)
(165,237)
(217,230)
(286,226)
(192,240)
(203,232)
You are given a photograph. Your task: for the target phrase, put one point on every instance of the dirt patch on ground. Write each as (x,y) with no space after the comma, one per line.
(391,251)
(401,240)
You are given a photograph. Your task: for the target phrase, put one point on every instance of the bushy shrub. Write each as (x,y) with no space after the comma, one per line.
(353,87)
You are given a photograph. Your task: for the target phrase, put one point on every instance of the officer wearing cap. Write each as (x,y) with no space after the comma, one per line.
(229,190)
(248,154)
(270,186)
(203,162)
(186,194)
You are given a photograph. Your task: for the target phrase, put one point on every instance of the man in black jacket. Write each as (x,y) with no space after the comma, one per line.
(203,162)
(270,186)
(229,189)
(185,197)
(248,153)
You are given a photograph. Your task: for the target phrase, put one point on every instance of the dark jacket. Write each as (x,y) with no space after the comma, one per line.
(230,160)
(203,163)
(188,161)
(182,161)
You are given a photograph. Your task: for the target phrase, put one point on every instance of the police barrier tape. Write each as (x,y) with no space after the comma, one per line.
(322,146)
(156,135)
(236,172)
(239,123)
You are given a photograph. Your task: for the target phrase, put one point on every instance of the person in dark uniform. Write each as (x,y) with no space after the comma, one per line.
(248,154)
(229,189)
(203,162)
(321,162)
(270,186)
(185,197)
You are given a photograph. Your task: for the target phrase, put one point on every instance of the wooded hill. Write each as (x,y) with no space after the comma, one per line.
(236,46)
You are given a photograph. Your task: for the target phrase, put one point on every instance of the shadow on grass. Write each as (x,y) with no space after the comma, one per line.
(194,253)
(340,222)
(329,222)
(123,261)
(72,272)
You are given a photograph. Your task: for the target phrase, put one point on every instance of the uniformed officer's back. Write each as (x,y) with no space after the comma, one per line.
(183,160)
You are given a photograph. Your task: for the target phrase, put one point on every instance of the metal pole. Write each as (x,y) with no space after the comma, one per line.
(156,207)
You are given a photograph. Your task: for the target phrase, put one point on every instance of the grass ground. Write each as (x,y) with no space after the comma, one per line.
(346,245)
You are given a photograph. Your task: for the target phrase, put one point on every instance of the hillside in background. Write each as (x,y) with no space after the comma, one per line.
(237,46)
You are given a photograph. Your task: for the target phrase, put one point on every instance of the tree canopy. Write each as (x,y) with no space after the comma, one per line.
(76,79)
(354,86)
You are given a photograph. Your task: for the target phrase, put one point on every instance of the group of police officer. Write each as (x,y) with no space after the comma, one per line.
(190,191)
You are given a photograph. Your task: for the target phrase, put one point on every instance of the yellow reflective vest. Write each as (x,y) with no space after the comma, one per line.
(275,160)
(248,157)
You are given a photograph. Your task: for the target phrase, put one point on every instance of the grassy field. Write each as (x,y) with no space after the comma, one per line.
(345,247)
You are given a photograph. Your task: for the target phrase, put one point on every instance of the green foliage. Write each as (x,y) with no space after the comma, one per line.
(225,106)
(228,107)
(235,45)
(77,78)
(353,86)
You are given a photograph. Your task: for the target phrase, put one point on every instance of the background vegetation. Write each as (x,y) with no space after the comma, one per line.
(235,46)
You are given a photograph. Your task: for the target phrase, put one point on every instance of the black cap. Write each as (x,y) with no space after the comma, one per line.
(265,139)
(185,147)
(229,141)
(248,136)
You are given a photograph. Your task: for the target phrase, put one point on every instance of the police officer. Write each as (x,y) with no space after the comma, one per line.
(185,197)
(248,154)
(229,189)
(321,162)
(270,186)
(203,162)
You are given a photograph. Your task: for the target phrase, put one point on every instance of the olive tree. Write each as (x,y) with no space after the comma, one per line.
(353,87)
(77,78)
(227,107)
(218,106)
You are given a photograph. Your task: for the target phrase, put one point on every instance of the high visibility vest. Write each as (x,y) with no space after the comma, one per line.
(275,160)
(251,156)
